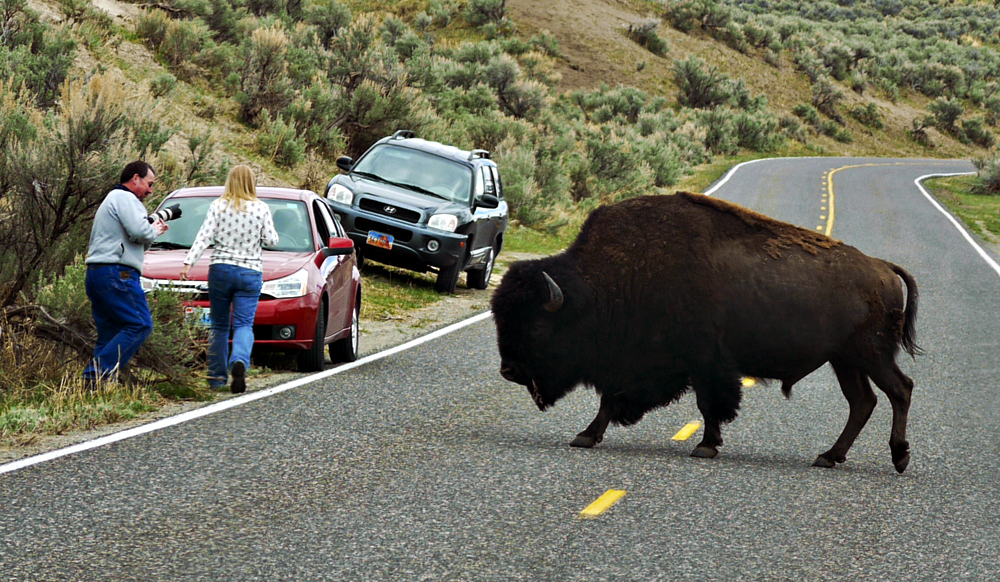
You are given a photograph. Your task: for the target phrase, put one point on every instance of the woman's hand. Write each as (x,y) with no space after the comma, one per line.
(184,272)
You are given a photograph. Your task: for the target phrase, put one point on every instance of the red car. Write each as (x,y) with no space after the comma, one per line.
(312,287)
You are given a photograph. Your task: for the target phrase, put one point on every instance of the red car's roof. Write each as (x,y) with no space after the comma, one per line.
(262,192)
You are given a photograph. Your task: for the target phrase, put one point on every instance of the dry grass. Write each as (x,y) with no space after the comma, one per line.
(42,391)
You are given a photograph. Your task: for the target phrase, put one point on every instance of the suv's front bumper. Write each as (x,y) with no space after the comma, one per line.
(410,248)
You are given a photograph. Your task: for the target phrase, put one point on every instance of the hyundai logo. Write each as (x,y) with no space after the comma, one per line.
(390,209)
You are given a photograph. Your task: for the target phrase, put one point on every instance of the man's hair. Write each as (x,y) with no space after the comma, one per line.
(137,167)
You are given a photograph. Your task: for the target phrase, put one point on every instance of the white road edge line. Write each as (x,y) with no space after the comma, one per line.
(968,237)
(232,402)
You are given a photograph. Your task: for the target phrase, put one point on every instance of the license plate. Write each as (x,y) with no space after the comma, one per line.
(379,239)
(200,315)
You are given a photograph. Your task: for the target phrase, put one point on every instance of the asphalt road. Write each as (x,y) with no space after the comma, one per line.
(426,465)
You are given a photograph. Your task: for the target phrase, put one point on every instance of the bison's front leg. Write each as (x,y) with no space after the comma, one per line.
(710,442)
(594,433)
(718,397)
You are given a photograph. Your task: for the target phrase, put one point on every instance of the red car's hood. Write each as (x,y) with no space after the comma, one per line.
(167,264)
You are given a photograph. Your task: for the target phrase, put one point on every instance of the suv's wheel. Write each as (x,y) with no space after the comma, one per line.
(359,257)
(448,278)
(346,350)
(314,359)
(480,278)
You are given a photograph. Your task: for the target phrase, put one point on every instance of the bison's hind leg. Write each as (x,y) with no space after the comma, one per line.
(861,399)
(899,388)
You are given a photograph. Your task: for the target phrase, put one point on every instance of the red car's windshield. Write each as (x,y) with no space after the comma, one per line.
(291,220)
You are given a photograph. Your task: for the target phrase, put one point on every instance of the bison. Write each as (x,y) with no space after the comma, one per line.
(659,295)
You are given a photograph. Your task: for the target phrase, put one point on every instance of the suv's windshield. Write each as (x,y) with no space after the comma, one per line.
(417,170)
(291,220)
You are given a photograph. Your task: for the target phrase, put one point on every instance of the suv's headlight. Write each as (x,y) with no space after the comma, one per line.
(445,222)
(341,194)
(294,285)
(147,283)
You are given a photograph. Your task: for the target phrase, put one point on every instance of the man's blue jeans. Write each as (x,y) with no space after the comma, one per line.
(236,288)
(121,315)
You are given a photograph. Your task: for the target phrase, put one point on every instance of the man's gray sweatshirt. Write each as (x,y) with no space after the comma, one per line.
(121,233)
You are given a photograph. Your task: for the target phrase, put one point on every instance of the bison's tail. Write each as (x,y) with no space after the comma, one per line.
(909,332)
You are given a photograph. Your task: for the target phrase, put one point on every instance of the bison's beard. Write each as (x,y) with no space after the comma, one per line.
(536,395)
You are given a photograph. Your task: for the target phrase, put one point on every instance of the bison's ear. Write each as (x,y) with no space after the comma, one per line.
(555,295)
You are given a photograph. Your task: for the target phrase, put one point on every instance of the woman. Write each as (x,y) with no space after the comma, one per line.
(238,224)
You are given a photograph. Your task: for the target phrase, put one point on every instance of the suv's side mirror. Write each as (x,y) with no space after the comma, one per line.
(338,246)
(488,201)
(345,163)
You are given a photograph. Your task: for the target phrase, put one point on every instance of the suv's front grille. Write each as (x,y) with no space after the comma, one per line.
(387,209)
(400,234)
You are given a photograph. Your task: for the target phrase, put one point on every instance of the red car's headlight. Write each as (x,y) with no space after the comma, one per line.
(294,285)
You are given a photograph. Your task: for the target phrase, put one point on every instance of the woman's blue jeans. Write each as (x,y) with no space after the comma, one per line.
(237,289)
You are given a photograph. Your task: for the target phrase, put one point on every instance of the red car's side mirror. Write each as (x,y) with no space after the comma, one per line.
(338,246)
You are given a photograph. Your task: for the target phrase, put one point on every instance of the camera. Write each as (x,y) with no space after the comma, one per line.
(168,213)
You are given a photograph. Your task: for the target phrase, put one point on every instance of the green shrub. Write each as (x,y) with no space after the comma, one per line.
(973,130)
(918,130)
(759,35)
(162,84)
(946,112)
(223,18)
(615,171)
(792,128)
(826,97)
(261,80)
(330,17)
(698,88)
(151,26)
(480,12)
(757,132)
(546,43)
(663,159)
(280,142)
(992,106)
(806,113)
(35,55)
(527,200)
(644,34)
(868,115)
(182,40)
(987,180)
(720,133)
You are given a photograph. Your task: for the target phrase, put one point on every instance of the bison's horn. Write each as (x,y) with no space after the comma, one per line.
(555,294)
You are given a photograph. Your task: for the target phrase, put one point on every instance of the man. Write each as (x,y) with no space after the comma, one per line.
(118,240)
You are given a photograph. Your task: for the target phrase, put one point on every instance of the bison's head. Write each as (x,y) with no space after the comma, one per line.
(541,329)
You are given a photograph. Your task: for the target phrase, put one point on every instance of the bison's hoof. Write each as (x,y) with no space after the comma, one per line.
(822,461)
(584,442)
(704,452)
(902,463)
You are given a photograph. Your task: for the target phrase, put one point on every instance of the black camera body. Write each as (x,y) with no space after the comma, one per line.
(168,213)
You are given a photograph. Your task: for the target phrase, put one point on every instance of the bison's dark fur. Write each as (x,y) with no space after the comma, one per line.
(659,295)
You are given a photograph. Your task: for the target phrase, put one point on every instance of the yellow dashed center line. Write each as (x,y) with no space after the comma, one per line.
(603,503)
(686,432)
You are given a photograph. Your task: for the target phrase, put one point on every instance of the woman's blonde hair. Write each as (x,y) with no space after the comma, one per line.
(240,188)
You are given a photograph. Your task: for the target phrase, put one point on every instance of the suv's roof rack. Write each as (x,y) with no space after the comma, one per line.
(478,154)
(403,134)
